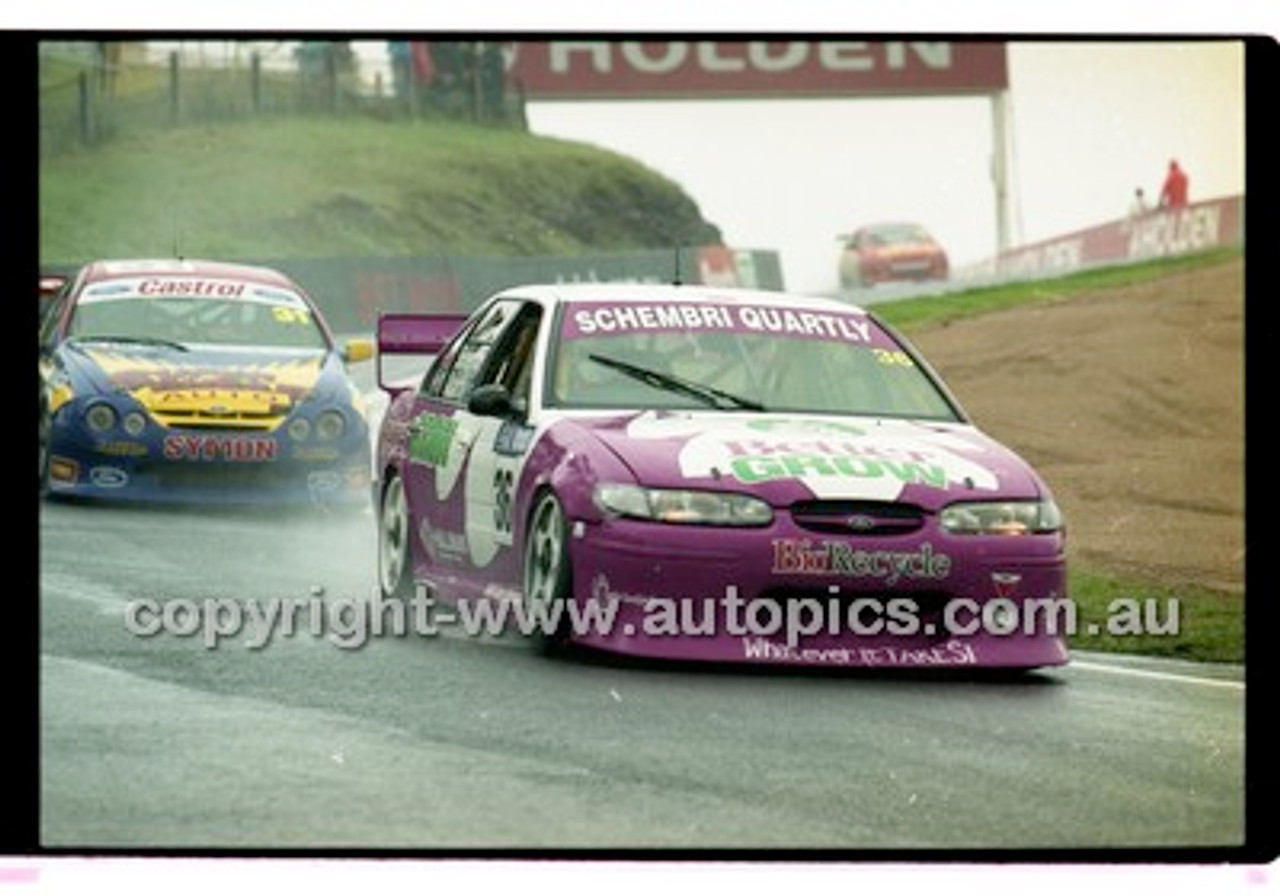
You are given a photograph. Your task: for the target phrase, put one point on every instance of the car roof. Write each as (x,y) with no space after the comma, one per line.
(131,268)
(893,225)
(649,293)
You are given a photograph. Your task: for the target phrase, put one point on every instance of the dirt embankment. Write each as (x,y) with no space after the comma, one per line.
(1130,402)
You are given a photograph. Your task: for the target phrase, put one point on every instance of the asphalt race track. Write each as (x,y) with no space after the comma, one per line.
(323,740)
(449,743)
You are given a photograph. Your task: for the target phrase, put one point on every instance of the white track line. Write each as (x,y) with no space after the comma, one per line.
(1162,676)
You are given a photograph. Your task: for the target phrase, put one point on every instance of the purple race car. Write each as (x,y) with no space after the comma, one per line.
(700,473)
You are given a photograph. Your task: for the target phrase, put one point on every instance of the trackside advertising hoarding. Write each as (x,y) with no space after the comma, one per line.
(1212,224)
(610,69)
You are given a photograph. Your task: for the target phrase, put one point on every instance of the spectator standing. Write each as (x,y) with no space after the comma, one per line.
(1139,206)
(424,68)
(311,56)
(109,56)
(1174,192)
(493,74)
(401,66)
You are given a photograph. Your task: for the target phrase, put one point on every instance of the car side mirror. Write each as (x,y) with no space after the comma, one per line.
(491,400)
(357,350)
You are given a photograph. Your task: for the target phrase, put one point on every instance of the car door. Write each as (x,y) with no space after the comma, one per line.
(460,471)
(503,439)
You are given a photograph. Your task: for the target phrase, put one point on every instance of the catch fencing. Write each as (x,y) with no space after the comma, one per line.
(94,91)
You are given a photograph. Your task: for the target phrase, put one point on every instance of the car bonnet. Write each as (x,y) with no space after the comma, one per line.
(212,380)
(790,457)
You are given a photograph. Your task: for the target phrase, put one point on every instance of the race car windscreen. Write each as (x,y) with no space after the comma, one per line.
(251,316)
(902,235)
(736,357)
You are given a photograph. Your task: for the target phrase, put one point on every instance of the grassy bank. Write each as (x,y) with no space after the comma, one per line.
(308,188)
(1195,623)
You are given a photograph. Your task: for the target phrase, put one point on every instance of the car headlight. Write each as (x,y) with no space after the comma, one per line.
(329,425)
(59,394)
(134,423)
(1001,517)
(299,429)
(100,416)
(683,506)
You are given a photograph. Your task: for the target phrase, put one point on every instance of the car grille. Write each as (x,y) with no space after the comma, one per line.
(217,408)
(213,477)
(212,420)
(912,267)
(858,517)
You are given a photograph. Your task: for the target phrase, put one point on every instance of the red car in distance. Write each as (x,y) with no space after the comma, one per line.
(893,251)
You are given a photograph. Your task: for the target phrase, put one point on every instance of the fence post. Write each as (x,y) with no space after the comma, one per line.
(331,76)
(83,108)
(477,98)
(175,105)
(411,89)
(522,115)
(255,81)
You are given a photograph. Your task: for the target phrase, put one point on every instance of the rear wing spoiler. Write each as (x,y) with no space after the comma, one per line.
(414,333)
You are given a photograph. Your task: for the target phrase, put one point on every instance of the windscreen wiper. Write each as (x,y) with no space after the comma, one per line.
(134,340)
(708,395)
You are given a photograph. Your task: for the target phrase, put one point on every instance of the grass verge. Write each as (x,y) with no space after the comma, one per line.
(937,310)
(1187,622)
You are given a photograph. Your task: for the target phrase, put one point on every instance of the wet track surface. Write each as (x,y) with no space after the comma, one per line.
(448,743)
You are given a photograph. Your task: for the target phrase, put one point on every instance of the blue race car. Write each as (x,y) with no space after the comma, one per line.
(197,382)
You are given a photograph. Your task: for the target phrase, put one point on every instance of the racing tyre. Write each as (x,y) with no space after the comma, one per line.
(547,581)
(395,569)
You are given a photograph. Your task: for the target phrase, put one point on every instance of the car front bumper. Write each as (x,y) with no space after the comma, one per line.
(265,471)
(785,595)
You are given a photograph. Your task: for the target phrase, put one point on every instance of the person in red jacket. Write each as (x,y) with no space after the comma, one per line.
(1174,192)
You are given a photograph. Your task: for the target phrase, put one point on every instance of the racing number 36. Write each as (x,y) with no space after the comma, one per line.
(502,482)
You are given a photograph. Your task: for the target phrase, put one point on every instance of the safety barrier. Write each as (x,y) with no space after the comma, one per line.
(1200,226)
